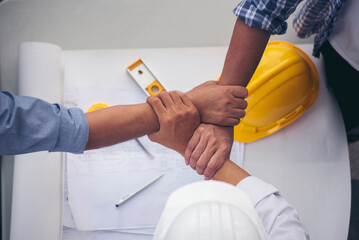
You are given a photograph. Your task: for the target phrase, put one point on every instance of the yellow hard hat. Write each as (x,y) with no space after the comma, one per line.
(284,85)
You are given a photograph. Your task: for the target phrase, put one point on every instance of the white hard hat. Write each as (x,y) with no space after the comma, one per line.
(209,210)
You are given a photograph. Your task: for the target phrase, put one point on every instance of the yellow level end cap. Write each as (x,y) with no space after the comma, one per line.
(155,88)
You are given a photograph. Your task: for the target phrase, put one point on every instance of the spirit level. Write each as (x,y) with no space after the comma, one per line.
(145,78)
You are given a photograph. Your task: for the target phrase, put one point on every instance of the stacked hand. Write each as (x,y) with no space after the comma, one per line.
(219,104)
(209,147)
(205,146)
(178,119)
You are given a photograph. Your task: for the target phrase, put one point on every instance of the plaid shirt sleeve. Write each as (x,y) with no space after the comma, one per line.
(269,15)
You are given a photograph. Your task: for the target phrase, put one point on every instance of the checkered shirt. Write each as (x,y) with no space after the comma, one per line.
(316,16)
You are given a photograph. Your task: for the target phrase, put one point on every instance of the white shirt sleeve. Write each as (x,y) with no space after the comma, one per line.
(279,218)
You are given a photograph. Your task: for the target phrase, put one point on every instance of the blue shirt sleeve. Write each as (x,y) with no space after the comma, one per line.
(30,124)
(269,15)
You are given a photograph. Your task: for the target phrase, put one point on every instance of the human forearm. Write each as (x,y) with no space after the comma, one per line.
(116,124)
(121,123)
(244,53)
(230,173)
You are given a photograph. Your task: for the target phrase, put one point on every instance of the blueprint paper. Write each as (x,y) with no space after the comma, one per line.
(100,178)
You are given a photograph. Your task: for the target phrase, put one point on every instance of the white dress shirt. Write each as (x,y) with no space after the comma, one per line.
(279,218)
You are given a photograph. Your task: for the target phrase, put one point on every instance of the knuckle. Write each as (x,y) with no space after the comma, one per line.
(199,171)
(187,157)
(149,99)
(242,114)
(167,121)
(186,115)
(206,135)
(191,113)
(184,96)
(194,110)
(225,148)
(179,93)
(173,93)
(194,157)
(236,121)
(193,165)
(176,113)
(183,112)
(183,115)
(245,92)
(189,149)
(152,100)
(227,102)
(155,99)
(213,141)
(245,104)
(213,165)
(200,129)
(163,94)
(200,165)
(208,173)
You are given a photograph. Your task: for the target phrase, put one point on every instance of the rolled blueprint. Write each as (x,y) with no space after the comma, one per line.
(40,71)
(37,188)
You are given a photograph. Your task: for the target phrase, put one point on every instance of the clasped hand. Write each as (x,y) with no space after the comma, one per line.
(204,146)
(219,104)
(178,119)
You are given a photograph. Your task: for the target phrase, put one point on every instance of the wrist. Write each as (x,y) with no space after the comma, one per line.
(151,118)
(192,97)
(195,94)
(230,173)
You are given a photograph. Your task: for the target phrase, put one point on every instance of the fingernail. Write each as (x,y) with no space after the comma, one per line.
(206,178)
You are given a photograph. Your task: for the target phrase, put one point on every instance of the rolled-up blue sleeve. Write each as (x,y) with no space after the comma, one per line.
(30,124)
(269,15)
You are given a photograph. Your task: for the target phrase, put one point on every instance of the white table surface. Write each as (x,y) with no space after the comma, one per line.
(308,160)
(104,24)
